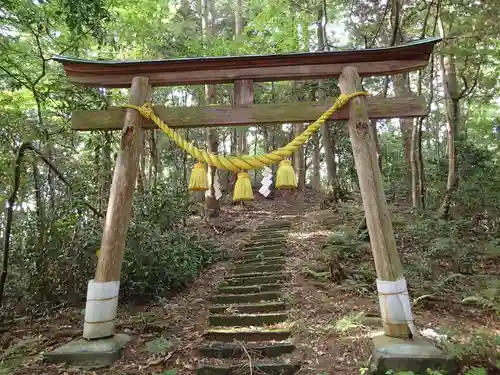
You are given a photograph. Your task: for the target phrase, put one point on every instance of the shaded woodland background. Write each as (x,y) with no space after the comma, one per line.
(443,170)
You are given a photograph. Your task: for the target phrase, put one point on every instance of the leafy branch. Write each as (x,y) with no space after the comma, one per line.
(26,146)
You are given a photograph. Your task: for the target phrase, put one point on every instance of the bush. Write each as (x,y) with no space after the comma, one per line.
(157,261)
(53,270)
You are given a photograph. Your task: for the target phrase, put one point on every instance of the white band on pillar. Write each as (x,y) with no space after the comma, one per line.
(100,310)
(395,303)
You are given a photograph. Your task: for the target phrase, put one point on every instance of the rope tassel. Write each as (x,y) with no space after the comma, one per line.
(198,180)
(243,188)
(243,162)
(285,177)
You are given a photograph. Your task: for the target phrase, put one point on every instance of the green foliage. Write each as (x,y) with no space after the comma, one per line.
(159,256)
(348,323)
(343,243)
(481,348)
(158,346)
(476,371)
(488,297)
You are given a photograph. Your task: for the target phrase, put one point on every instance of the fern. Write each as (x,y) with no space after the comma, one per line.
(488,298)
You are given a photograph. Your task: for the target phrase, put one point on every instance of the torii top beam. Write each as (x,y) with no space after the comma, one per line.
(213,70)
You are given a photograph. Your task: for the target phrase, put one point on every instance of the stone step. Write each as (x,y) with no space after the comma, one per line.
(246,289)
(273,227)
(262,261)
(246,320)
(280,228)
(229,335)
(256,279)
(275,224)
(268,240)
(271,240)
(266,247)
(241,298)
(263,254)
(234,350)
(250,274)
(269,236)
(272,223)
(249,308)
(270,231)
(252,268)
(260,368)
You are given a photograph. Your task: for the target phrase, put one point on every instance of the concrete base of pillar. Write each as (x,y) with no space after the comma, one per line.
(91,354)
(415,355)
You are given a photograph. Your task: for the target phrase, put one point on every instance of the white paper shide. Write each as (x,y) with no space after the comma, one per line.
(267,181)
(217,190)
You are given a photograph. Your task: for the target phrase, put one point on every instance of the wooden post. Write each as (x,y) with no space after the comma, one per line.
(243,94)
(387,262)
(102,294)
(122,187)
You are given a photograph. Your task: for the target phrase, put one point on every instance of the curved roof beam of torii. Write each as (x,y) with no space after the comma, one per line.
(213,70)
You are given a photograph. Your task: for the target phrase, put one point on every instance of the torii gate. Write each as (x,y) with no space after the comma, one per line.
(242,71)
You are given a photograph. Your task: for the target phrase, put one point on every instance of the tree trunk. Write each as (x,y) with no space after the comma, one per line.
(241,131)
(417,188)
(328,140)
(106,171)
(415,195)
(316,160)
(153,154)
(141,181)
(212,204)
(406,125)
(326,136)
(373,129)
(452,108)
(39,208)
(299,160)
(449,80)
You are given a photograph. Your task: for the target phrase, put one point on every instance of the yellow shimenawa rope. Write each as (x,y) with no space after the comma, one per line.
(244,162)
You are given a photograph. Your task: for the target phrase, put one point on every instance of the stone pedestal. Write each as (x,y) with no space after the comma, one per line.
(415,355)
(89,353)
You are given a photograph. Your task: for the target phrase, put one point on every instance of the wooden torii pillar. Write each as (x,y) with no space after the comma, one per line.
(347,65)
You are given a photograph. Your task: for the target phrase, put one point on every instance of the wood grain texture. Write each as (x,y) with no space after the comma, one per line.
(378,220)
(243,95)
(212,70)
(123,79)
(252,114)
(122,187)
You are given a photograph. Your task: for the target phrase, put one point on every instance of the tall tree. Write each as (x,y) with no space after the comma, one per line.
(241,131)
(327,137)
(452,109)
(213,205)
(402,88)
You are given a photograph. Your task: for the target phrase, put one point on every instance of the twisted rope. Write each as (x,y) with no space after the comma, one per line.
(244,162)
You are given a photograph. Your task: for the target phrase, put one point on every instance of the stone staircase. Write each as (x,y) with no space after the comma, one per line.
(248,319)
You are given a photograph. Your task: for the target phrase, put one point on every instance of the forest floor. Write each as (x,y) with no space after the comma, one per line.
(333,323)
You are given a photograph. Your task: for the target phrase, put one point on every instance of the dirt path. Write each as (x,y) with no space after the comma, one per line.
(332,323)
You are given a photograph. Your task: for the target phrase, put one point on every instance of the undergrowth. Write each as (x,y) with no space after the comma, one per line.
(52,271)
